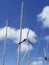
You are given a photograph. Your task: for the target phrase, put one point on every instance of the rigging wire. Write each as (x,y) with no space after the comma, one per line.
(23,56)
(39,41)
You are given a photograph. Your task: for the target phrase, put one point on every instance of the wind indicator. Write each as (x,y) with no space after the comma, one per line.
(4,52)
(29,42)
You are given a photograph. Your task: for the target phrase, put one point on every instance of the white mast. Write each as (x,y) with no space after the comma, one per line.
(4,52)
(28,49)
(19,47)
(28,54)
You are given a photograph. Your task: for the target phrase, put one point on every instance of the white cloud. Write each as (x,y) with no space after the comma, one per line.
(40,58)
(31,35)
(11,33)
(14,34)
(24,46)
(44,16)
(39,62)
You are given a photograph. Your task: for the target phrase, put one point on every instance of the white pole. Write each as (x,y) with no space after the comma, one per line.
(4,52)
(28,49)
(19,47)
(28,54)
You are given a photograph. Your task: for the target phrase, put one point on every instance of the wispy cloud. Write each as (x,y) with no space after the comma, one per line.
(14,34)
(39,62)
(44,16)
(40,58)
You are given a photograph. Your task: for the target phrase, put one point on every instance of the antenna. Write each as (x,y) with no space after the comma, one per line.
(4,52)
(19,47)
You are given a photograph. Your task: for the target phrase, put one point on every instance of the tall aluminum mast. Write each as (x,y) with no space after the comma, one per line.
(19,47)
(4,52)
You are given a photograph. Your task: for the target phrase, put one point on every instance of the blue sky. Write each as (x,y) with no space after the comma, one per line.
(35,18)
